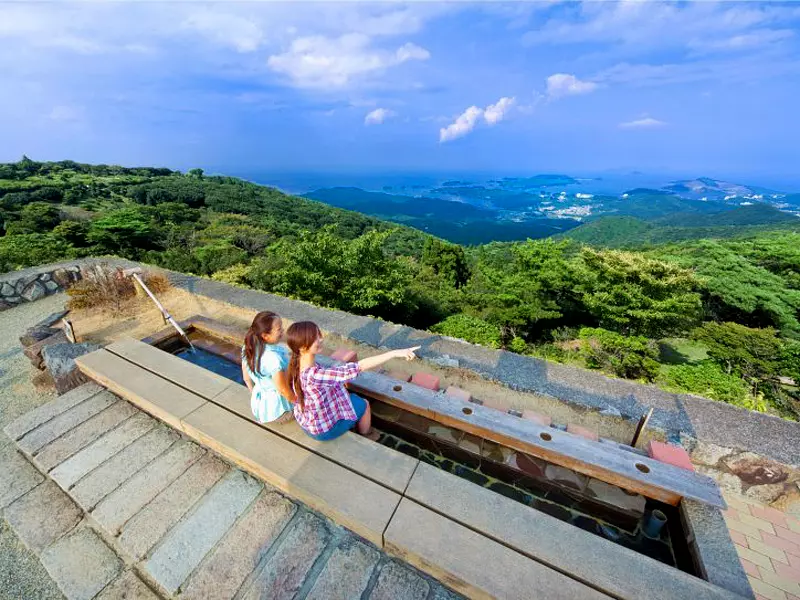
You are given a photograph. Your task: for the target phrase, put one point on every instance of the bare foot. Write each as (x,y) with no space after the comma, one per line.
(373,434)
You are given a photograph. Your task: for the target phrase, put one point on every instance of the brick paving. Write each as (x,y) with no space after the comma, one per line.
(768,543)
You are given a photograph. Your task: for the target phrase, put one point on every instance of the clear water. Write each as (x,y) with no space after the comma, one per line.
(212,362)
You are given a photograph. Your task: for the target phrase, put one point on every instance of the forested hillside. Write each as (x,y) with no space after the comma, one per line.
(713,317)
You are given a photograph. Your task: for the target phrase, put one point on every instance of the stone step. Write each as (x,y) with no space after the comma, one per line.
(226,567)
(182,549)
(17,477)
(347,571)
(81,564)
(136,493)
(127,586)
(34,440)
(84,434)
(44,413)
(74,468)
(398,582)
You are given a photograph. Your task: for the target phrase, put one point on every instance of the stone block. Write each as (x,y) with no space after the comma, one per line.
(92,456)
(426,380)
(42,516)
(530,465)
(285,571)
(127,586)
(33,291)
(34,351)
(147,523)
(458,394)
(50,287)
(398,582)
(6,289)
(347,572)
(84,434)
(616,497)
(241,551)
(584,432)
(345,355)
(17,476)
(59,360)
(52,319)
(111,474)
(566,477)
(670,454)
(45,412)
(34,440)
(537,417)
(182,549)
(81,564)
(36,334)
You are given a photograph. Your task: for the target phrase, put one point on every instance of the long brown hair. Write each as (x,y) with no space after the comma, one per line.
(299,336)
(254,343)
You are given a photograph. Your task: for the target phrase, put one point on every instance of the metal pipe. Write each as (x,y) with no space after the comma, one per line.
(167,317)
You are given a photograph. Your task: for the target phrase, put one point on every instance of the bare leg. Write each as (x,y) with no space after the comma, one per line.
(365,422)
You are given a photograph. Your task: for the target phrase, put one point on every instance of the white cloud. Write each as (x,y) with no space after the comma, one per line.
(496,112)
(378,116)
(643,123)
(564,84)
(66,114)
(325,62)
(465,123)
(225,29)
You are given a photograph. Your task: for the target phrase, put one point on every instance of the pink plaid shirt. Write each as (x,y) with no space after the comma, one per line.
(326,399)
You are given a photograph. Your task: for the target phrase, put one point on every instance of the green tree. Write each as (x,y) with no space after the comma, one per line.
(30,249)
(632,357)
(753,353)
(126,232)
(448,261)
(198,173)
(471,329)
(632,294)
(36,217)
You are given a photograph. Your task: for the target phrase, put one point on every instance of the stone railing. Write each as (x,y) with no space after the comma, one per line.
(30,285)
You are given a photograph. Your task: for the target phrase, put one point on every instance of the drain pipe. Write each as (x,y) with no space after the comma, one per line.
(167,317)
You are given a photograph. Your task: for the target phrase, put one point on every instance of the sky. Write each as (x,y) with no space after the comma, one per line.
(695,88)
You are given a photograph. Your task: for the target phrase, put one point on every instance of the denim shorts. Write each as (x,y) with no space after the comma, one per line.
(343,425)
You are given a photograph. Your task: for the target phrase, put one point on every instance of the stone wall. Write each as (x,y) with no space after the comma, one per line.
(30,286)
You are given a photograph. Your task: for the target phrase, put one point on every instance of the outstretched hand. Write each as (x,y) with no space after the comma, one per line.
(407,353)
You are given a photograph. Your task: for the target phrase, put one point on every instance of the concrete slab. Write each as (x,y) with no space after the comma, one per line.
(346,573)
(349,499)
(127,586)
(181,551)
(229,564)
(151,393)
(133,495)
(283,574)
(92,456)
(354,452)
(42,516)
(17,477)
(84,434)
(609,567)
(111,474)
(397,582)
(473,564)
(81,564)
(60,424)
(44,413)
(185,374)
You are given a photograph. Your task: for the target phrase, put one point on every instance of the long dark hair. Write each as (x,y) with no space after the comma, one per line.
(254,343)
(299,336)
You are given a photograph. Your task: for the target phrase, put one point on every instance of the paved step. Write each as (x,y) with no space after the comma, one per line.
(60,424)
(123,465)
(84,434)
(240,552)
(346,573)
(284,572)
(187,543)
(17,477)
(127,586)
(398,582)
(44,413)
(129,498)
(71,470)
(149,523)
(42,516)
(81,564)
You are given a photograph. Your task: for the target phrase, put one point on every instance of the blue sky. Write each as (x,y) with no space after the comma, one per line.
(699,88)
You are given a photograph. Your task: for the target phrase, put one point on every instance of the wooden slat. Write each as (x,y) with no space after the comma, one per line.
(346,497)
(153,394)
(200,381)
(606,566)
(473,564)
(639,474)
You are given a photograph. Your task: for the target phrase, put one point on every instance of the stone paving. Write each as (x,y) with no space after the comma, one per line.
(130,509)
(768,543)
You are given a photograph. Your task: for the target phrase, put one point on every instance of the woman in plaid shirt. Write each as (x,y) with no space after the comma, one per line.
(324,408)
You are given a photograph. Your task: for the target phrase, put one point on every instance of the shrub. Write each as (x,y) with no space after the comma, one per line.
(233,275)
(632,357)
(103,287)
(470,329)
(709,380)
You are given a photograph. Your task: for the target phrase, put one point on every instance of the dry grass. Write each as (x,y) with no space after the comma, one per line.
(104,287)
